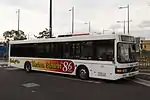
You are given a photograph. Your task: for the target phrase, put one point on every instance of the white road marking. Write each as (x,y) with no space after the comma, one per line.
(33,91)
(73,79)
(29,85)
(3,66)
(11,68)
(142,82)
(3,63)
(144,73)
(87,81)
(96,82)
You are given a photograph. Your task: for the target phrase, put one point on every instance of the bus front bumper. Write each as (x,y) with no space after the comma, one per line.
(131,74)
(126,75)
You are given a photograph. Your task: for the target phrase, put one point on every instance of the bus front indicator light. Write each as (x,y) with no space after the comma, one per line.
(119,71)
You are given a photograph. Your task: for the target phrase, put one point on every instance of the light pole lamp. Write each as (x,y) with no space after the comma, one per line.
(89,23)
(127,7)
(73,14)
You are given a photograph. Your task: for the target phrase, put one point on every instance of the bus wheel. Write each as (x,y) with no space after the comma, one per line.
(83,73)
(27,67)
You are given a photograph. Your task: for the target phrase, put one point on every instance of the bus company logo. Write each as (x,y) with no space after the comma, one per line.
(54,65)
(15,61)
(67,66)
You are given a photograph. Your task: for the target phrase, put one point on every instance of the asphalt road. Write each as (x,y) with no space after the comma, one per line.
(18,85)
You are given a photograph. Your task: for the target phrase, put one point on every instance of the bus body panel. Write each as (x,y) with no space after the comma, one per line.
(17,62)
(124,65)
(68,39)
(97,68)
(126,75)
(20,62)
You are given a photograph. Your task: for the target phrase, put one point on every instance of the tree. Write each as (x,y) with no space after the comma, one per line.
(19,35)
(7,34)
(43,34)
(15,35)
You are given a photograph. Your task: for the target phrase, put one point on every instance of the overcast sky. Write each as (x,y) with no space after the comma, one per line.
(103,14)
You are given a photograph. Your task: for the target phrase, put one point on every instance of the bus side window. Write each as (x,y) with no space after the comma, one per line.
(51,50)
(72,50)
(40,48)
(77,50)
(66,50)
(47,50)
(56,50)
(104,50)
(86,50)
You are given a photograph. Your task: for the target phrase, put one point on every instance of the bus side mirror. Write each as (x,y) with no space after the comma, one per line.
(113,60)
(134,47)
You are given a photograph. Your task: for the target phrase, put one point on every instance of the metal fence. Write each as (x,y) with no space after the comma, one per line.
(144,59)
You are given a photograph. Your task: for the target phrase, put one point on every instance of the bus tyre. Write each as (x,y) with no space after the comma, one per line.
(27,67)
(83,73)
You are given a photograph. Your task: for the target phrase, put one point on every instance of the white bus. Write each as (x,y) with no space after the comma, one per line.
(109,57)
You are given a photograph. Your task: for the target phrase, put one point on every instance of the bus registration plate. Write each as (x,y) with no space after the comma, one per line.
(132,74)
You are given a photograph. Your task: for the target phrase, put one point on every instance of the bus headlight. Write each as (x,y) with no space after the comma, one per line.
(125,70)
(121,71)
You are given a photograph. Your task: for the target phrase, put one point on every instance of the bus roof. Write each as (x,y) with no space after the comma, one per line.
(68,39)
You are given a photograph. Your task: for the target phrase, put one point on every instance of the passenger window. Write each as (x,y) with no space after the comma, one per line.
(86,50)
(104,50)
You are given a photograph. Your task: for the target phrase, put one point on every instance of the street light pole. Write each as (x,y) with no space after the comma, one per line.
(28,36)
(72,19)
(105,30)
(50,19)
(127,16)
(124,25)
(89,24)
(73,14)
(128,20)
(18,12)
